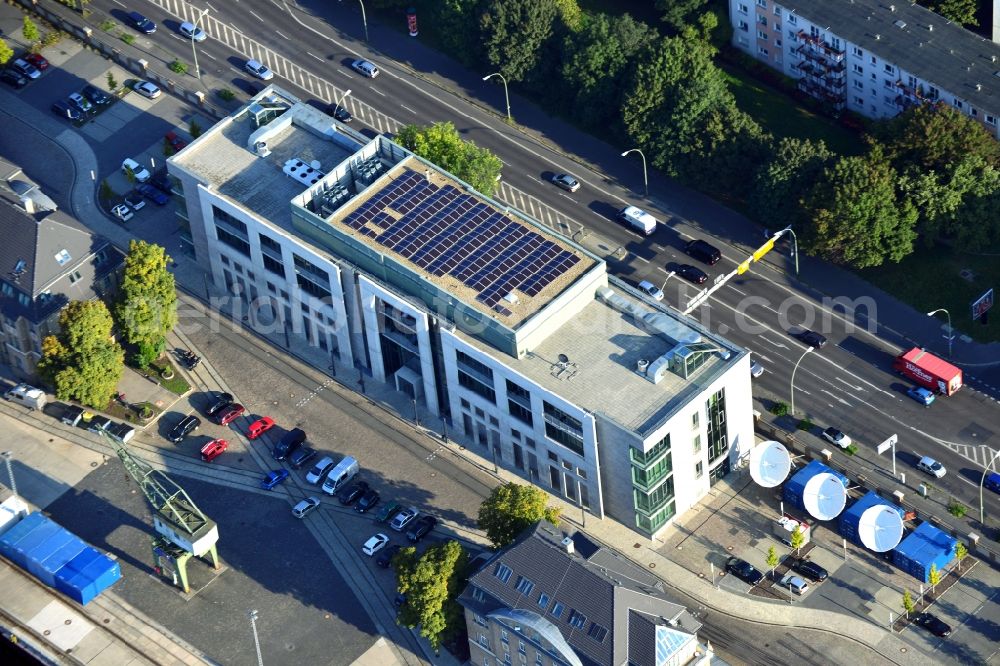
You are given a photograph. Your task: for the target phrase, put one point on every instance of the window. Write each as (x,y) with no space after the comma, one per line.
(475,376)
(856,50)
(504,636)
(973,112)
(744,26)
(873,60)
(465,403)
(520,647)
(530,443)
(991,120)
(567,465)
(761,35)
(762,3)
(792,19)
(478,594)
(718,439)
(695,420)
(889,69)
(485,642)
(582,473)
(597,632)
(696,445)
(932,92)
(553,457)
(860,101)
(762,20)
(480,620)
(524,586)
(486,661)
(538,658)
(577,619)
(777,11)
(958,104)
(858,69)
(698,470)
(557,609)
(506,657)
(777,42)
(476,386)
(75,277)
(562,428)
(503,572)
(886,83)
(543,601)
(762,51)
(232,240)
(519,403)
(311,279)
(743,8)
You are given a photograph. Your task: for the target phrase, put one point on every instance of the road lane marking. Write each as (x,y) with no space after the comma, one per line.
(844,381)
(280,34)
(772,342)
(255,15)
(315,56)
(836,397)
(408,109)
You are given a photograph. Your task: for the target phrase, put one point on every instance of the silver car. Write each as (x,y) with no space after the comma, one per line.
(259,70)
(566,182)
(303,508)
(146,89)
(319,470)
(189,30)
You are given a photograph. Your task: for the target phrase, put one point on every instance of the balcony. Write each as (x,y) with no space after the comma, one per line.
(818,46)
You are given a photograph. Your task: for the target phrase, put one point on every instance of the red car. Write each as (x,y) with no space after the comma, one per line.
(38,61)
(213,449)
(259,427)
(175,141)
(227,415)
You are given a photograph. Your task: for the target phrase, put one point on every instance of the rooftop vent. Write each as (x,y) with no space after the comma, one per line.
(892,8)
(877,36)
(899,24)
(512,298)
(567,544)
(979,87)
(261,149)
(62,257)
(641,366)
(307,174)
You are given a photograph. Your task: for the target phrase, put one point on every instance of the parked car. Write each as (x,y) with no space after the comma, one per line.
(924,396)
(811,338)
(258,69)
(932,624)
(82,104)
(229,414)
(703,251)
(305,507)
(64,110)
(810,570)
(566,182)
(837,437)
(387,512)
(288,443)
(374,544)
(192,32)
(692,273)
(122,212)
(795,584)
(147,89)
(340,113)
(218,403)
(184,427)
(651,290)
(135,200)
(385,558)
(214,449)
(931,466)
(141,23)
(98,423)
(421,528)
(365,68)
(403,518)
(25,68)
(273,478)
(72,415)
(756,369)
(351,493)
(744,571)
(259,427)
(13,78)
(992,482)
(175,141)
(136,170)
(301,456)
(367,501)
(96,95)
(153,194)
(38,61)
(319,470)
(161,181)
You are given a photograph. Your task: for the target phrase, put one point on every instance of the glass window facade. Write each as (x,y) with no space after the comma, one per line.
(718,439)
(653,485)
(564,429)
(475,376)
(519,403)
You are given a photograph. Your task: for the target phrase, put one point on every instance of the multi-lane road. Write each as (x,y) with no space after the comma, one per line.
(848,383)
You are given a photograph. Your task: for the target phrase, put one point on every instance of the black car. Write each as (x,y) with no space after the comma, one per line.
(384,558)
(288,443)
(812,338)
(187,425)
(141,23)
(340,113)
(367,501)
(65,111)
(13,79)
(301,456)
(810,570)
(702,251)
(421,528)
(218,403)
(96,95)
(161,181)
(744,571)
(692,273)
(351,493)
(932,624)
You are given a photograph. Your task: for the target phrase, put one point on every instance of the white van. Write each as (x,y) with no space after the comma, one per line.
(340,475)
(29,396)
(638,219)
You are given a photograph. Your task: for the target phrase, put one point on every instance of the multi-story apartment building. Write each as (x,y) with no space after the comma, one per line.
(557,599)
(872,57)
(514,333)
(47,260)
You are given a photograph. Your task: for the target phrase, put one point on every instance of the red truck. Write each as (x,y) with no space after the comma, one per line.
(929,371)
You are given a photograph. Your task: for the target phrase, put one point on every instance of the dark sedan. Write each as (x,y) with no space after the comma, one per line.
(96,95)
(932,624)
(812,338)
(153,194)
(744,571)
(141,23)
(340,113)
(218,403)
(351,493)
(384,558)
(421,528)
(367,501)
(692,273)
(64,110)
(810,570)
(186,426)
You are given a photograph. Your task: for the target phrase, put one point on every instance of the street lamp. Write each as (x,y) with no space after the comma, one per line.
(364,19)
(7,455)
(791,388)
(645,180)
(982,512)
(252,614)
(795,248)
(951,331)
(194,51)
(505,93)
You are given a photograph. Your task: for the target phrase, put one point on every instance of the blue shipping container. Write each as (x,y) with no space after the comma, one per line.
(795,486)
(17,542)
(852,516)
(87,575)
(925,546)
(47,561)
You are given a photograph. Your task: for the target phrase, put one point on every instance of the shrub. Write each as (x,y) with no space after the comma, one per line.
(178,67)
(779,409)
(227,94)
(112,83)
(851,449)
(127,37)
(194,129)
(804,424)
(52,38)
(108,25)
(957,509)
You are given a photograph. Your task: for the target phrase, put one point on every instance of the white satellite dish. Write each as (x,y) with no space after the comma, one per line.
(769,464)
(824,496)
(880,528)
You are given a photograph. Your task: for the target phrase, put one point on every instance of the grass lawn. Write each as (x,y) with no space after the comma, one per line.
(929,279)
(782,116)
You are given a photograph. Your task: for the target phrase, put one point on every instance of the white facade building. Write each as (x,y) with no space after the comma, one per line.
(513,333)
(871,57)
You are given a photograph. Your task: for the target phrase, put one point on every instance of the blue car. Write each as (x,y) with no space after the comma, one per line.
(921,395)
(273,478)
(153,194)
(141,23)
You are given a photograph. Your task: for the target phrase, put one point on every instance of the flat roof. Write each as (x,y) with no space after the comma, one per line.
(602,347)
(466,244)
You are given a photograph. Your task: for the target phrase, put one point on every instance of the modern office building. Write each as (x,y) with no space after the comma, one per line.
(558,599)
(514,333)
(47,260)
(872,57)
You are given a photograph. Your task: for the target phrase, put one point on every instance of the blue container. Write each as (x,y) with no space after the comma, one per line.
(925,546)
(852,516)
(48,557)
(87,575)
(795,486)
(17,543)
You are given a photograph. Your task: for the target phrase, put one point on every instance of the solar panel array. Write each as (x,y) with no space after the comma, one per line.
(446,232)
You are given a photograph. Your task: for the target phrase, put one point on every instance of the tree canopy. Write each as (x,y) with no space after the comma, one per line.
(512,508)
(440,144)
(513,32)
(6,53)
(780,185)
(83,362)
(962,12)
(147,306)
(679,14)
(431,584)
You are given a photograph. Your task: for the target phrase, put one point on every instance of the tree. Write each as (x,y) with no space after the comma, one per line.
(778,188)
(570,14)
(512,508)
(858,217)
(933,576)
(797,539)
(147,306)
(454,21)
(112,83)
(440,144)
(960,11)
(772,559)
(6,53)
(30,30)
(431,585)
(908,605)
(961,552)
(512,33)
(679,14)
(932,136)
(83,362)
